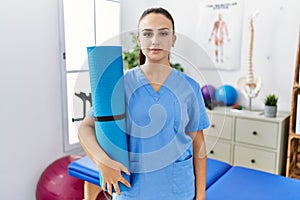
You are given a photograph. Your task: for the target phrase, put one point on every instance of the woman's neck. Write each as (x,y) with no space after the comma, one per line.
(156,70)
(156,74)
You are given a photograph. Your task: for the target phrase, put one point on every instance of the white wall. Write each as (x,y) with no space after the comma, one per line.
(275,46)
(275,43)
(30,105)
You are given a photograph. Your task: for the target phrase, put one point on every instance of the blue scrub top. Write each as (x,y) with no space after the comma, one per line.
(157,123)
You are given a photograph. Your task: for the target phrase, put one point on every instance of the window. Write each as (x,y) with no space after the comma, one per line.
(83,23)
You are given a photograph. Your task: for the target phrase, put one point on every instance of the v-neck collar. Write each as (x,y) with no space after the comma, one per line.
(146,84)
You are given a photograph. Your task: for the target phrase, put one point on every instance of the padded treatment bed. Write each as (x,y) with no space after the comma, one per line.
(214,170)
(223,182)
(240,183)
(85,169)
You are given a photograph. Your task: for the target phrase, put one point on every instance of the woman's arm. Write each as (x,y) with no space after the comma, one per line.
(110,169)
(199,151)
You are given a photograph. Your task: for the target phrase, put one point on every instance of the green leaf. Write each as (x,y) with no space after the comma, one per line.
(271,100)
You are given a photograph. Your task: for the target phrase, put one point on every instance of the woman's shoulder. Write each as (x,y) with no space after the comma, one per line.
(130,73)
(189,79)
(131,78)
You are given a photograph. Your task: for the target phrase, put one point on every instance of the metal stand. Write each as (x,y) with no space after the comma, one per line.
(250,104)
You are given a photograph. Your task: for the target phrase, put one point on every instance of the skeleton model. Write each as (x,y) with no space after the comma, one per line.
(249,86)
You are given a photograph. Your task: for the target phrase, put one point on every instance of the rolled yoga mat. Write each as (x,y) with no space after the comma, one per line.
(107,88)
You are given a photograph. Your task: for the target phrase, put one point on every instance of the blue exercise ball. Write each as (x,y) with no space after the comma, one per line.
(226,94)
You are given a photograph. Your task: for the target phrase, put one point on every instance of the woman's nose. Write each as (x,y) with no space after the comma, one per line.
(155,40)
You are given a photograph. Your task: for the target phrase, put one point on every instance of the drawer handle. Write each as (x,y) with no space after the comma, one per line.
(212,152)
(213,126)
(254,133)
(252,161)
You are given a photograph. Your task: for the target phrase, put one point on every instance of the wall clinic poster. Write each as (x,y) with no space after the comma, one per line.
(220,32)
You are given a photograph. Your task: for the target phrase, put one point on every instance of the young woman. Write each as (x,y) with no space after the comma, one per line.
(165,118)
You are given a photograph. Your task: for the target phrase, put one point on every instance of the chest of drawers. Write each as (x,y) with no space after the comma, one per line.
(248,139)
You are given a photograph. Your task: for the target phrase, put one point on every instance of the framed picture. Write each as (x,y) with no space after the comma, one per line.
(220,32)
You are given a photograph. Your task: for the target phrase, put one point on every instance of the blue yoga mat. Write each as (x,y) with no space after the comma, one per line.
(107,88)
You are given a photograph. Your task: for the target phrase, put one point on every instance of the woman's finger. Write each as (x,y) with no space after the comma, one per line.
(117,189)
(103,185)
(125,182)
(125,170)
(109,188)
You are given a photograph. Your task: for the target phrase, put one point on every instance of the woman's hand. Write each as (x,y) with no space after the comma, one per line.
(110,169)
(111,175)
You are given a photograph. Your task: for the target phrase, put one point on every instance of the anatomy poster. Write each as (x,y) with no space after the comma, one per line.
(220,32)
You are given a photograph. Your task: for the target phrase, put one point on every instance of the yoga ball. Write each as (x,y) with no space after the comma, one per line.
(226,94)
(208,92)
(55,183)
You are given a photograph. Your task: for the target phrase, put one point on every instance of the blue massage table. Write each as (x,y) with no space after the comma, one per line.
(215,169)
(223,182)
(85,169)
(240,183)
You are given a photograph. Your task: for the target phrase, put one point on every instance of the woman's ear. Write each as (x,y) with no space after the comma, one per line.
(174,40)
(138,40)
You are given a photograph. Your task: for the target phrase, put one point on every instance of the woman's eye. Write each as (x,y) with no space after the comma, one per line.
(147,34)
(164,34)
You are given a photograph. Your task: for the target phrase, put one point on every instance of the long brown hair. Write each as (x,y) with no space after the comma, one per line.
(141,56)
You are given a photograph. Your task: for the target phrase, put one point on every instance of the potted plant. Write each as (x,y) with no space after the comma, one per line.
(271,105)
(131,57)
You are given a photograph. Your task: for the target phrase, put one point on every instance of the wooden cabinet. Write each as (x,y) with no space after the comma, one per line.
(293,154)
(248,139)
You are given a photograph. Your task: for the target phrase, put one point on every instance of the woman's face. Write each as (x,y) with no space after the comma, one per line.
(156,38)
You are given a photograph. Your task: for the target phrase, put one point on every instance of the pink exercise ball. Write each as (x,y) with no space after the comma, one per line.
(56,184)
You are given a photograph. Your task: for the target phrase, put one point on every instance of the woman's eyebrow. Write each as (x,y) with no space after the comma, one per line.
(160,29)
(147,29)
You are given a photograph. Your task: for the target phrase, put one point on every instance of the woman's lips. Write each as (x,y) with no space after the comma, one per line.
(155,50)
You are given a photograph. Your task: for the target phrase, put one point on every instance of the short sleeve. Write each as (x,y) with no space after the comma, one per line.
(91,113)
(198,119)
